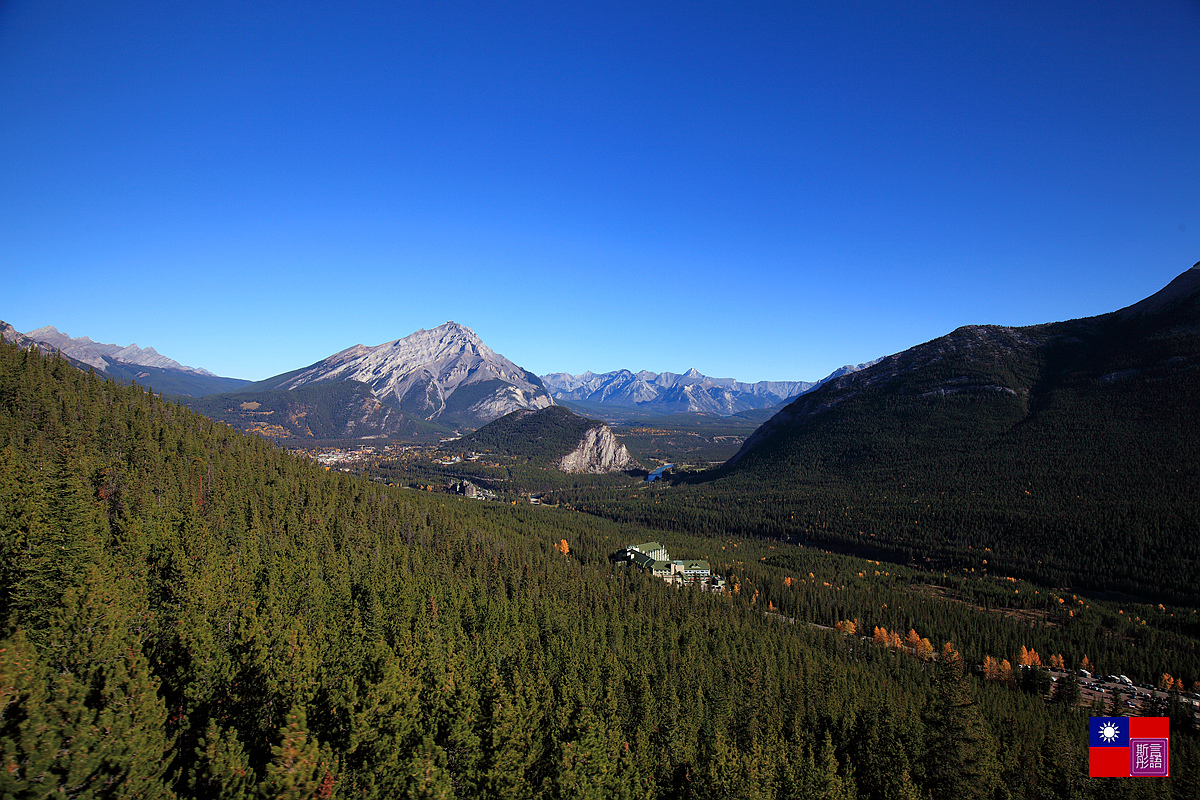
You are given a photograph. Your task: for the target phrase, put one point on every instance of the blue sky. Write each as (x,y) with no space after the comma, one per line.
(764,191)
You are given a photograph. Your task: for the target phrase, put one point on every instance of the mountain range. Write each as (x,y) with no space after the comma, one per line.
(124,364)
(1066,452)
(99,355)
(1152,343)
(672,393)
(427,384)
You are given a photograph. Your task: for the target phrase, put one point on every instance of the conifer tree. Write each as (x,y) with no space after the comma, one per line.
(298,769)
(593,763)
(830,784)
(90,716)
(222,769)
(513,745)
(427,777)
(383,718)
(61,539)
(960,761)
(29,740)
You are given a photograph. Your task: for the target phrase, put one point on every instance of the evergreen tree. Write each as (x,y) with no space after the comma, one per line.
(427,775)
(960,761)
(87,717)
(298,769)
(222,770)
(513,745)
(383,727)
(592,764)
(831,784)
(61,539)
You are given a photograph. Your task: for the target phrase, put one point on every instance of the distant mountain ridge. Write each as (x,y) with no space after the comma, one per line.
(125,364)
(1064,451)
(428,382)
(673,393)
(1019,362)
(99,355)
(446,374)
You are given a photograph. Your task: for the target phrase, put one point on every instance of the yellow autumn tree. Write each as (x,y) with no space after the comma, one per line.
(913,639)
(925,649)
(991,670)
(1006,674)
(881,636)
(563,547)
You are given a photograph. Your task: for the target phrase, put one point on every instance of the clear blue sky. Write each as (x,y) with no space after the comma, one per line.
(756,190)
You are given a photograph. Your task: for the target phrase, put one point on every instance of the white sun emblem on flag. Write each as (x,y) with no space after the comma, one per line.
(1109,732)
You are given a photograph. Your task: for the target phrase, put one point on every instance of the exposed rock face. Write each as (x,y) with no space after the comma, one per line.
(506,399)
(447,372)
(10,334)
(97,354)
(553,437)
(598,452)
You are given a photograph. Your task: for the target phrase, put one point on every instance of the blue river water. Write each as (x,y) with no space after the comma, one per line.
(657,473)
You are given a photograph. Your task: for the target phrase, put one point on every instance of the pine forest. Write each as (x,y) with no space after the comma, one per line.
(194,612)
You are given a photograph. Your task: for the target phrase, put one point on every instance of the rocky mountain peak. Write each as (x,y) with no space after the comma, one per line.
(672,393)
(1183,290)
(422,371)
(10,334)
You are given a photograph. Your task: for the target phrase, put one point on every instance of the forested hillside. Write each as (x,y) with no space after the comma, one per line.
(543,436)
(331,411)
(192,612)
(1066,453)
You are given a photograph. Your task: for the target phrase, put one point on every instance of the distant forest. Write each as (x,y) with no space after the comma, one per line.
(1085,484)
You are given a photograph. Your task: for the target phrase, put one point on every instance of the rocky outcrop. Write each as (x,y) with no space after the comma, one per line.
(10,334)
(553,437)
(598,452)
